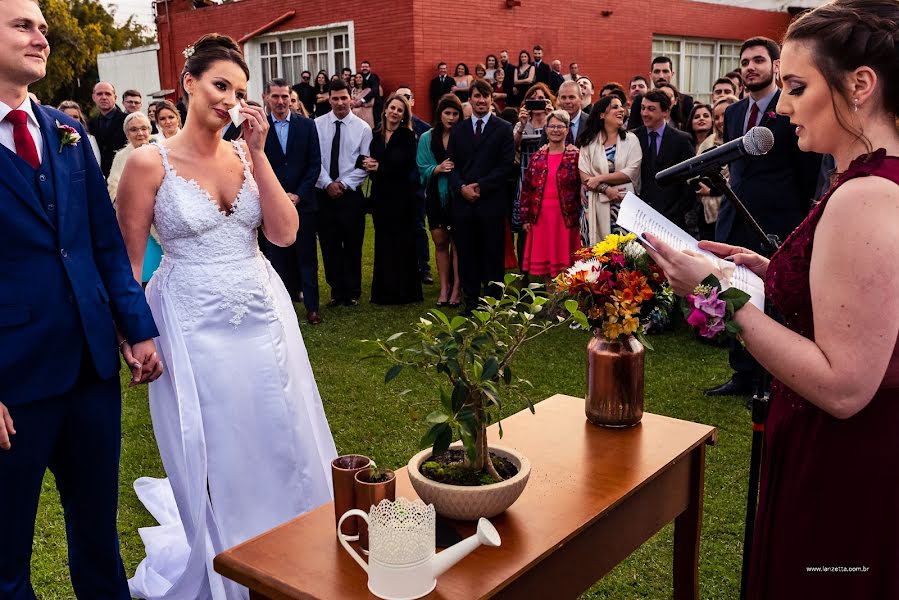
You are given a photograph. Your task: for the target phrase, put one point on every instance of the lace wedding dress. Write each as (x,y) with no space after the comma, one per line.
(237,415)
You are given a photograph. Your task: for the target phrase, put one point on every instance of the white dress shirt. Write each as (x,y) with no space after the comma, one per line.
(6,137)
(355,139)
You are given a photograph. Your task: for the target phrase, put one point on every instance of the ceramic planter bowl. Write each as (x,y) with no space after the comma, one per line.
(469,503)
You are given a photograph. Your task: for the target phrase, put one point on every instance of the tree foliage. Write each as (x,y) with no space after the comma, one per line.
(79,31)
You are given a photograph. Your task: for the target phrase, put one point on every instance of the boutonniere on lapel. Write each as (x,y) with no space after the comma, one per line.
(68,136)
(771,114)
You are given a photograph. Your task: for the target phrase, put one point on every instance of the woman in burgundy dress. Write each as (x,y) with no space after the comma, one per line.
(828,520)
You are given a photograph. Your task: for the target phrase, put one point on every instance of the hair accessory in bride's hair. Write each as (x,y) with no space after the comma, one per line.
(189,51)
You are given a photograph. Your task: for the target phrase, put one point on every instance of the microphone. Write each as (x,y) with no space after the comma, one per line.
(757,141)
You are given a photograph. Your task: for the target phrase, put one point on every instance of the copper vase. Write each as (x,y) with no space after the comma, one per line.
(369,494)
(614,381)
(343,475)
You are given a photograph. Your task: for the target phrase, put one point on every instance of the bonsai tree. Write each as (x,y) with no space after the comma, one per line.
(470,361)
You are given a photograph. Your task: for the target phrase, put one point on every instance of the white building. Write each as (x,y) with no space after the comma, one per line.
(133,69)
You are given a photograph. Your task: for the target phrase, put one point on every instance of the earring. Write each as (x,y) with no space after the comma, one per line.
(855,104)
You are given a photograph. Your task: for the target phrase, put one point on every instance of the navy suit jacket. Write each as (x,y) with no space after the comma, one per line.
(67,282)
(488,161)
(299,168)
(777,188)
(674,200)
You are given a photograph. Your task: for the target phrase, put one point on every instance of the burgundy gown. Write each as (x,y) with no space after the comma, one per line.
(829,494)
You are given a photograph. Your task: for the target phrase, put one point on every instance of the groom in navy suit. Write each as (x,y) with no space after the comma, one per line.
(68,303)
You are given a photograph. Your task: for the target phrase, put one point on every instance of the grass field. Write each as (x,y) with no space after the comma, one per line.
(369,418)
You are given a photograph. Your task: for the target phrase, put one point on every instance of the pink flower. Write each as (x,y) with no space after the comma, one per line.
(697,318)
(713,327)
(707,313)
(771,114)
(710,305)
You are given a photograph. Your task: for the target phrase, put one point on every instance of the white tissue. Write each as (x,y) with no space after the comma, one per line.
(236,117)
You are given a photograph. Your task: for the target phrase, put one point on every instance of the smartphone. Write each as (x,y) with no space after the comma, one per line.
(533,104)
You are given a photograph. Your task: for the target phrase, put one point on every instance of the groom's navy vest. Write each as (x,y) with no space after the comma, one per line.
(41,179)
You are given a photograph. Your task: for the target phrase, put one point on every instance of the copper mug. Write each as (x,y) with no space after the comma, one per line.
(369,493)
(343,473)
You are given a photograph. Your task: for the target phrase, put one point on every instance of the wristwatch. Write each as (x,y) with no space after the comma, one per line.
(602,188)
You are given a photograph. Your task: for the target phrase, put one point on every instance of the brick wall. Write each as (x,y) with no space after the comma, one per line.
(405,39)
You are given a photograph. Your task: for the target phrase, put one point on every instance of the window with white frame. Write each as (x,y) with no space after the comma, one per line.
(697,62)
(287,55)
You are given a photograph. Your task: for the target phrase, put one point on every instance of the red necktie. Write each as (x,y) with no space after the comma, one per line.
(478,129)
(25,147)
(753,117)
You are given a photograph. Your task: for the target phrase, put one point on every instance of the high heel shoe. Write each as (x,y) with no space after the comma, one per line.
(442,304)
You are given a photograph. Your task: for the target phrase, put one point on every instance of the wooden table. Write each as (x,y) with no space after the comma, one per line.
(594,496)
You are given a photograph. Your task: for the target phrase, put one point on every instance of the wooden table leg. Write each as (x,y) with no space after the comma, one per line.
(687,529)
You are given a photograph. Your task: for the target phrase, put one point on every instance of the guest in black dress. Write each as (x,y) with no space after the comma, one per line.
(394,173)
(322,104)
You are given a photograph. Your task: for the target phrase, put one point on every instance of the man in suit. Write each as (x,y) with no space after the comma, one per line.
(662,71)
(555,76)
(132,101)
(292,149)
(573,72)
(483,151)
(541,69)
(586,87)
(663,146)
(344,140)
(69,305)
(777,188)
(440,85)
(371,83)
(507,67)
(569,100)
(306,92)
(639,85)
(108,128)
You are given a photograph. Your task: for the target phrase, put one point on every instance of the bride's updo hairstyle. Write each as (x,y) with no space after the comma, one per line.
(844,35)
(210,49)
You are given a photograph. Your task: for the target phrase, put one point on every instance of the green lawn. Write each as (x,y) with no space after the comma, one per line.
(369,418)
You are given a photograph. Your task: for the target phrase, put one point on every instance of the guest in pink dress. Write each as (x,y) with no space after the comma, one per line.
(550,203)
(828,524)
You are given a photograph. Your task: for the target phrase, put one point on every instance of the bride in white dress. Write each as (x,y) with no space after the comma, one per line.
(237,415)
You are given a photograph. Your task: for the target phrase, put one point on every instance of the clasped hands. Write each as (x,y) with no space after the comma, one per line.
(370,164)
(687,269)
(335,189)
(143,361)
(471,192)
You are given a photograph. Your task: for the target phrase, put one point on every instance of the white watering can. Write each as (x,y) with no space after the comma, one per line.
(402,562)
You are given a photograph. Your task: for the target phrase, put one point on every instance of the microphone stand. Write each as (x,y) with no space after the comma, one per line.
(770,243)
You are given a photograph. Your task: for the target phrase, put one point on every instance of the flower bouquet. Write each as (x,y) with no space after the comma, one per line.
(623,295)
(620,289)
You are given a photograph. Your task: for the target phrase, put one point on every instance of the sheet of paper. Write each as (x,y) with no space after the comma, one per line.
(236,117)
(637,217)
